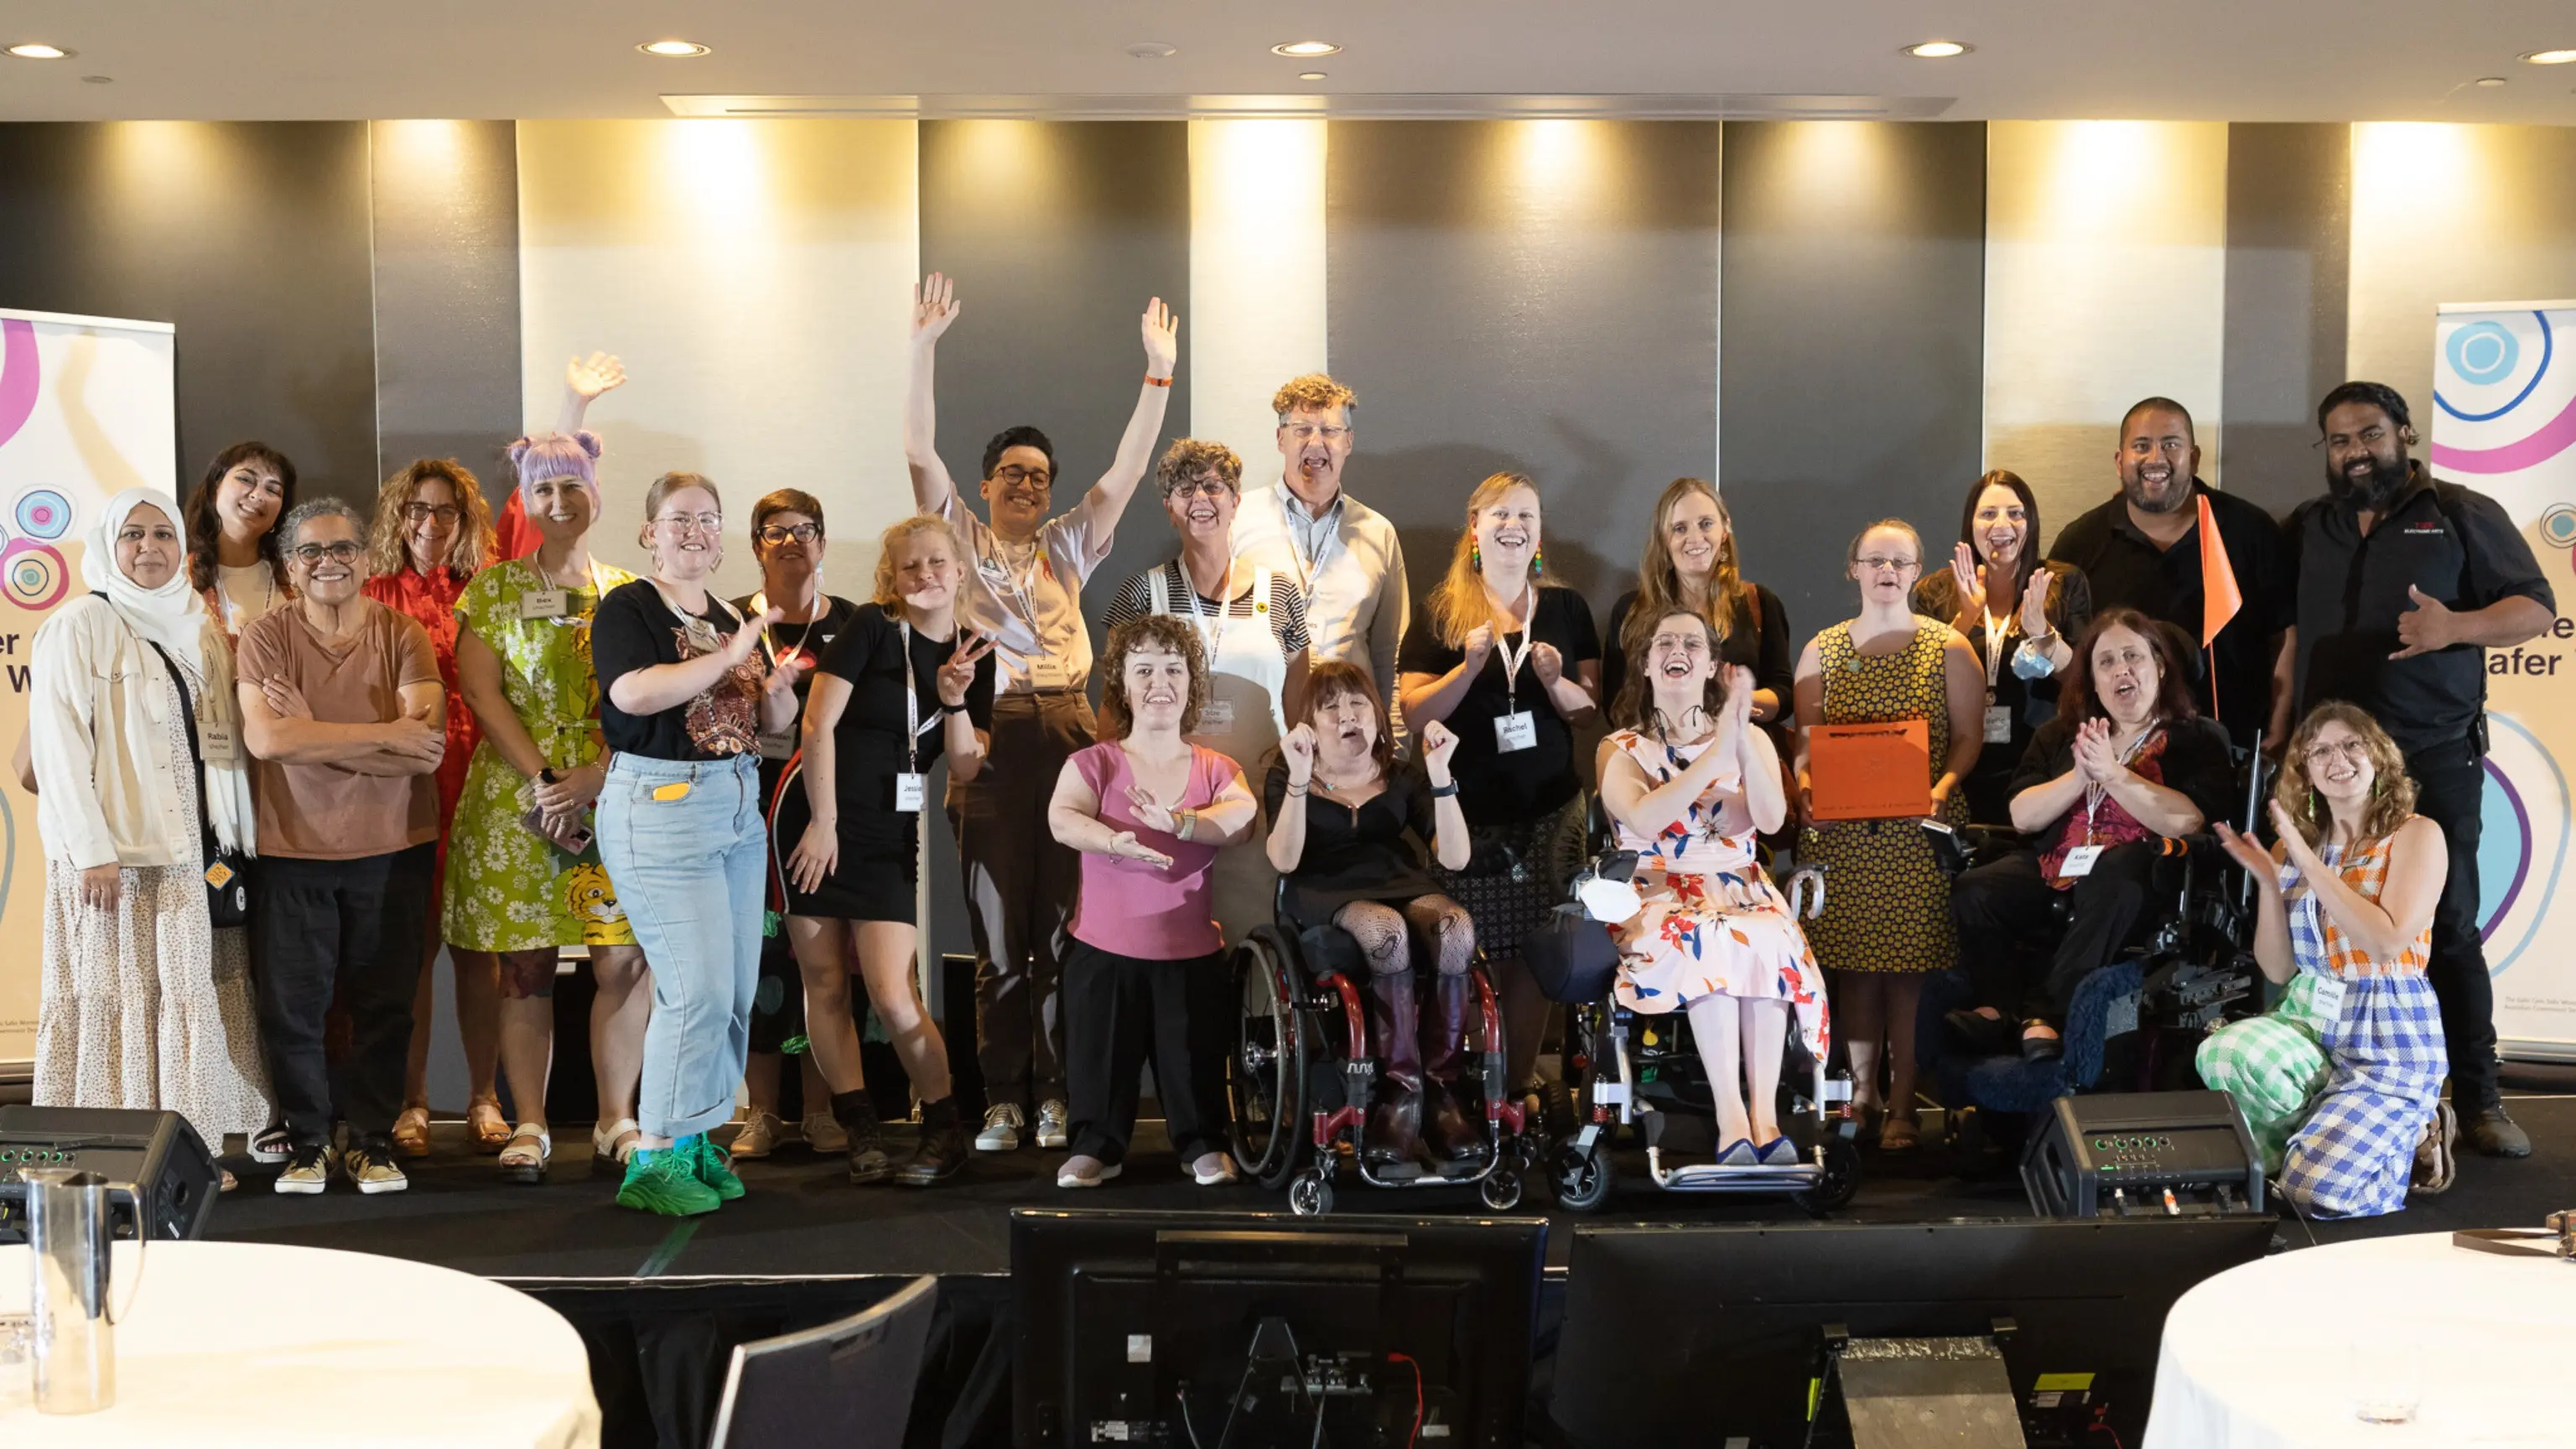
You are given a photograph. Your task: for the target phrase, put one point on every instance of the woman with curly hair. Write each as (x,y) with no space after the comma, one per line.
(2342,1081)
(231,521)
(1148,811)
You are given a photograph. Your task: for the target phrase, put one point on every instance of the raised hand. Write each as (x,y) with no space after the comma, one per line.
(958,674)
(1549,665)
(2430,625)
(1970,576)
(1125,846)
(1439,742)
(739,644)
(2248,853)
(2034,605)
(782,677)
(1151,812)
(2285,827)
(1739,692)
(1297,747)
(934,308)
(588,377)
(816,856)
(1480,642)
(1162,339)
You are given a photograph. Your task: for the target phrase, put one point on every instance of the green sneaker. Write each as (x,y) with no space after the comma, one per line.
(714,1168)
(664,1180)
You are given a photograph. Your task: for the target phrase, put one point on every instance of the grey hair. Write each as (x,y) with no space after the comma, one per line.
(291,528)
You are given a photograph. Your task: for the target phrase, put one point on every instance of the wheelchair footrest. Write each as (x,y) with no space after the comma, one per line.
(1750,1178)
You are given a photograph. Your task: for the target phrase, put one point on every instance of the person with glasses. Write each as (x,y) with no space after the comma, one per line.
(433,533)
(344,714)
(1886,918)
(2128,764)
(1252,621)
(787,539)
(2404,583)
(2341,1081)
(686,690)
(1344,556)
(231,519)
(524,876)
(1024,591)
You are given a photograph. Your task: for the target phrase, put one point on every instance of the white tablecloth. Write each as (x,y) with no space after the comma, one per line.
(247,1343)
(2261,1357)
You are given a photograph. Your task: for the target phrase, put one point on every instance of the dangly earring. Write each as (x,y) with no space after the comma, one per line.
(1475,555)
(2316,805)
(1538,562)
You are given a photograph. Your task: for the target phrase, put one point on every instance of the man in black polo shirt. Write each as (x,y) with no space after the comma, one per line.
(2403,584)
(2141,550)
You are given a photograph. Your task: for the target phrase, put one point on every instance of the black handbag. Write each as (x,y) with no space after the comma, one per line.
(227,871)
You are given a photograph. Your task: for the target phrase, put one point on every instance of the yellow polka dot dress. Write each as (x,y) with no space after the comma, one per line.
(1887,900)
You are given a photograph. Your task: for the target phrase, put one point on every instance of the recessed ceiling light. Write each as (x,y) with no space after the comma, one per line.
(673,49)
(2490,81)
(1312,75)
(1938,49)
(1302,49)
(2551,57)
(38,50)
(1153,50)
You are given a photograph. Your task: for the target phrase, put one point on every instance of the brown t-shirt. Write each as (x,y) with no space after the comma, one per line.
(329,812)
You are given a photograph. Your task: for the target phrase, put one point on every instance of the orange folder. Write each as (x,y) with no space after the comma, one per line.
(1870,771)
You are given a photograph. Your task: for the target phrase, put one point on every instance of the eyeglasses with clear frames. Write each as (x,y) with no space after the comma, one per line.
(683,522)
(1330,433)
(2323,752)
(1874,563)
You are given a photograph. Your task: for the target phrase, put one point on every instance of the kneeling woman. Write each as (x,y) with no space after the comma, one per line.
(2340,1080)
(1689,791)
(899,688)
(1340,815)
(1148,810)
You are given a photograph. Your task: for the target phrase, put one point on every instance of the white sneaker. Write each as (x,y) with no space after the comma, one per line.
(1211,1169)
(1052,1120)
(1001,1132)
(825,1134)
(1086,1172)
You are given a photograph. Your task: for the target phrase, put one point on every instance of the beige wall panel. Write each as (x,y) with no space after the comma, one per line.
(754,276)
(1256,278)
(2106,282)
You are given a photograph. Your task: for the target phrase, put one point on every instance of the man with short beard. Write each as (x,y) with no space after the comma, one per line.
(2141,550)
(2404,583)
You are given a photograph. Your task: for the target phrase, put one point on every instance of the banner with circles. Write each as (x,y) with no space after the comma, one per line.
(2504,423)
(87,408)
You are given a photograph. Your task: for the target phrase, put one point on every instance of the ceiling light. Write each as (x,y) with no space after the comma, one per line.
(37,50)
(673,49)
(1303,49)
(2551,57)
(2490,81)
(1312,75)
(1938,49)
(1153,50)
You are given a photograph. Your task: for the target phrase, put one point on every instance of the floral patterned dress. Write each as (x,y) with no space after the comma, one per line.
(1713,923)
(508,889)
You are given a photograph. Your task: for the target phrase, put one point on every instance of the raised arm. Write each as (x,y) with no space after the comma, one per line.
(934,309)
(1108,497)
(1287,844)
(2272,949)
(585,378)
(965,744)
(657,687)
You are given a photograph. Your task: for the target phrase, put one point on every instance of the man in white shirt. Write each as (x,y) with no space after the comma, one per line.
(1343,553)
(1023,587)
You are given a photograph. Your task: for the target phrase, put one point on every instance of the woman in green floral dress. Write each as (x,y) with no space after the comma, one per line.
(523,879)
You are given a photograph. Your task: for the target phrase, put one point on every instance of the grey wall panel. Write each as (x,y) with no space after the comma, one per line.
(1852,376)
(1057,234)
(1539,296)
(447,293)
(251,237)
(2289,233)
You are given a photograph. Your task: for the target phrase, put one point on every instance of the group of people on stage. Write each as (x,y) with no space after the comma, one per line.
(286,752)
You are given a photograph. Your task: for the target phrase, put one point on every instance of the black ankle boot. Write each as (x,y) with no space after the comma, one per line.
(941,1152)
(858,1117)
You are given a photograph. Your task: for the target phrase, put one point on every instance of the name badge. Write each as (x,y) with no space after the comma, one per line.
(2079,861)
(217,744)
(2329,998)
(1217,718)
(1516,732)
(542,604)
(909,791)
(777,747)
(1999,724)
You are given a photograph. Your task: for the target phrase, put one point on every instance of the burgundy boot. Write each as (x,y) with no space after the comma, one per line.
(1395,1119)
(1456,1142)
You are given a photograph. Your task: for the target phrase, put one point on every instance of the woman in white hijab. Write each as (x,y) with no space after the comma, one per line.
(146,1004)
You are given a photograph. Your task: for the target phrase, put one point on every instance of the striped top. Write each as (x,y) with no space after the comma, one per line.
(2321,946)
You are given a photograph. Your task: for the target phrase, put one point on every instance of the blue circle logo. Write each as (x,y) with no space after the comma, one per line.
(2483,352)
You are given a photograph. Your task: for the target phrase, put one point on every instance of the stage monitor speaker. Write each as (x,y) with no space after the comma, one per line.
(2144,1154)
(161,1179)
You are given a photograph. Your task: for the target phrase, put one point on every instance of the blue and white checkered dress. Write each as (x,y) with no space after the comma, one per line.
(2338,1099)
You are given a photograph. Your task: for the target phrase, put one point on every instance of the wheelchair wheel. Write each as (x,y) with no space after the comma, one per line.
(1310,1197)
(1841,1181)
(1265,1074)
(1503,1190)
(1581,1176)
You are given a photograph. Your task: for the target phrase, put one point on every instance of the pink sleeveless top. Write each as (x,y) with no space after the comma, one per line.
(1130,908)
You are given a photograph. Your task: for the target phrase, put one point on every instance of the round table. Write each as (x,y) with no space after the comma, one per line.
(249,1343)
(2262,1356)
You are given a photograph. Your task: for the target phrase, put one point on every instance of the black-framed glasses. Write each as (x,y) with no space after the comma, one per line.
(424,512)
(775,534)
(1014,476)
(309,554)
(1202,488)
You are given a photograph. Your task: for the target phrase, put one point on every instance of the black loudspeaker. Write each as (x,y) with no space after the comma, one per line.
(2144,1154)
(162,1181)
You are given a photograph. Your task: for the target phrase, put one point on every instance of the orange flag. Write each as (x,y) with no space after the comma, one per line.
(2219,596)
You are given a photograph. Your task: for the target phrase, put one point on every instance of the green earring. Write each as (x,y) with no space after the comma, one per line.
(1538,563)
(1475,555)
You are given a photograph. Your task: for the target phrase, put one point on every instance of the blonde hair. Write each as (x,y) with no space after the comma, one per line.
(888,597)
(1458,603)
(2392,790)
(1659,582)
(1313,390)
(1150,631)
(475,542)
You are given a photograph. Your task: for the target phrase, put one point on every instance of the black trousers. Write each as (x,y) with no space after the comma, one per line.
(2001,905)
(357,923)
(1117,1010)
(2450,786)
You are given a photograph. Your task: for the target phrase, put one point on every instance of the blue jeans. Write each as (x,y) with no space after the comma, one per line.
(685,842)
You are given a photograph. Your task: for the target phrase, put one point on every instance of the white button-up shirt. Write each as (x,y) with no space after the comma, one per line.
(1348,564)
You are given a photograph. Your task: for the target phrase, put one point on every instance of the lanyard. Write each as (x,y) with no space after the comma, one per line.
(1198,609)
(769,645)
(1512,661)
(2095,794)
(700,630)
(1997,630)
(914,727)
(1023,582)
(1310,551)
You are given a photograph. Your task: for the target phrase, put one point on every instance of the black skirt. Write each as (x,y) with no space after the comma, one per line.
(871,882)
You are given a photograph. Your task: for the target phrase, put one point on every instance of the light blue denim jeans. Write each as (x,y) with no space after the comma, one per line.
(685,842)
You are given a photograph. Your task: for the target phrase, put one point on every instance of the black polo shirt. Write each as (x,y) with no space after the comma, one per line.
(2128,571)
(2455,544)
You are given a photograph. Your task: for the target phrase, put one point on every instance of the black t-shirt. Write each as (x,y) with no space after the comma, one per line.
(867,742)
(2128,570)
(1378,848)
(2459,547)
(1757,638)
(1495,788)
(635,629)
(2195,761)
(796,635)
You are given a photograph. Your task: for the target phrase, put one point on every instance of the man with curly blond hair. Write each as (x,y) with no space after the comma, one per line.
(1343,554)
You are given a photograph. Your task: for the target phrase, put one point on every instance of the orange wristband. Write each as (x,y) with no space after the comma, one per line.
(1153,381)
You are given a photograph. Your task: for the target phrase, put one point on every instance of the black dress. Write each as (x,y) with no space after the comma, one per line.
(778,1002)
(1372,853)
(2033,702)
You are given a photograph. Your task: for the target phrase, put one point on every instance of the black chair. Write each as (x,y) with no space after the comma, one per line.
(847,1383)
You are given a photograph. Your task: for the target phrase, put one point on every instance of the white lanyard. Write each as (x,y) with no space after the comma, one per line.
(2095,794)
(1023,582)
(1310,552)
(1198,607)
(1512,661)
(914,726)
(1996,632)
(769,645)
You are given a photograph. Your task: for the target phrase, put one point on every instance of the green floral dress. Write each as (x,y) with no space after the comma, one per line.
(508,889)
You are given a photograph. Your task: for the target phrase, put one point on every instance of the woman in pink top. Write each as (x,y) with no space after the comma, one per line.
(1148,811)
